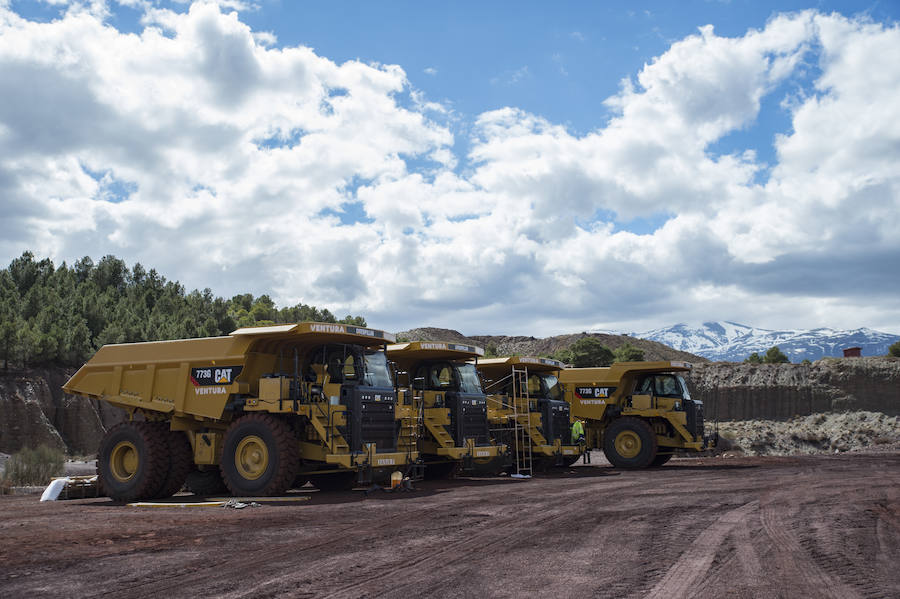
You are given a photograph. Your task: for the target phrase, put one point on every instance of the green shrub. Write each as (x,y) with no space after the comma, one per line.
(894,349)
(34,466)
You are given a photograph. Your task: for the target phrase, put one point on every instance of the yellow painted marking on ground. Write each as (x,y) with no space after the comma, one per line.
(262,499)
(161,504)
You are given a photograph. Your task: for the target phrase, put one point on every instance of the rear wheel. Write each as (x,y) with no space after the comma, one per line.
(180,459)
(260,456)
(132,461)
(629,443)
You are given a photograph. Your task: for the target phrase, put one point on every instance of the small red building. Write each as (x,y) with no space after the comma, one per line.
(853,352)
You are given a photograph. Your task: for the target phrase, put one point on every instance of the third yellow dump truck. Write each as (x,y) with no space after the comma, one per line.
(445,393)
(264,408)
(527,410)
(640,413)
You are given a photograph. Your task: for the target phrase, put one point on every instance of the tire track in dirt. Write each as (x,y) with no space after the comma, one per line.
(695,561)
(440,559)
(887,556)
(793,559)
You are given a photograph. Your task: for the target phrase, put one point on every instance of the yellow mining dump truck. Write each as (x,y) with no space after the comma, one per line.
(528,411)
(640,413)
(444,393)
(265,409)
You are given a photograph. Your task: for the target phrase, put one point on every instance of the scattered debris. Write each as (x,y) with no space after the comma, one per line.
(239,505)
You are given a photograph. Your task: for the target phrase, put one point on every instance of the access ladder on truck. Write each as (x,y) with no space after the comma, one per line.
(521,430)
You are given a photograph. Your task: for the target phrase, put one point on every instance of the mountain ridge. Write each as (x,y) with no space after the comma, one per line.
(733,342)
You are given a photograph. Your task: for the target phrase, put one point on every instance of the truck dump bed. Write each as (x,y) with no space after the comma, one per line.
(197,376)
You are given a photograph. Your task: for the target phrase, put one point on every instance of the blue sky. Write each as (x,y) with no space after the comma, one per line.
(507,167)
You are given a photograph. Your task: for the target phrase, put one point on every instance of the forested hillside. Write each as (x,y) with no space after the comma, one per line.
(62,314)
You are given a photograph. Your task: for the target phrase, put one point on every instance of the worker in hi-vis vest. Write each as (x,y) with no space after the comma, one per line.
(578,437)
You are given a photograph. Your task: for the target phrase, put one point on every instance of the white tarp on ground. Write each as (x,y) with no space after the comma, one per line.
(51,493)
(75,487)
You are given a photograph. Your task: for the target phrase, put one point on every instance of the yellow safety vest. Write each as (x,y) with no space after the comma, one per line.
(577,431)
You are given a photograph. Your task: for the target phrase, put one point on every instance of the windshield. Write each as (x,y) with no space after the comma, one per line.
(468,379)
(554,391)
(377,373)
(687,394)
(663,385)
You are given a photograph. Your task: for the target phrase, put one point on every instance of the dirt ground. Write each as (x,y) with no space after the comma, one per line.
(800,526)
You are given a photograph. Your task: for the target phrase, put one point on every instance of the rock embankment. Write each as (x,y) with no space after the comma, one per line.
(35,411)
(737,391)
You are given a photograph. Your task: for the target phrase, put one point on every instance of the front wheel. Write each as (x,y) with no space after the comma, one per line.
(629,443)
(260,456)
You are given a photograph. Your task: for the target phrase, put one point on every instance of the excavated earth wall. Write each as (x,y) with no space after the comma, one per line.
(34,411)
(736,391)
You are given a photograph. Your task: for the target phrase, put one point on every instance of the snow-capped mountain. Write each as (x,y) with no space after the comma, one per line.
(729,341)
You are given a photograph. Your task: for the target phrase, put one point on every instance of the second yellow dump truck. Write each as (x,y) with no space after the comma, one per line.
(640,413)
(527,410)
(443,389)
(264,409)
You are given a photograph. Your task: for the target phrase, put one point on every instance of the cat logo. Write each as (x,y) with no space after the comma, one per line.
(225,375)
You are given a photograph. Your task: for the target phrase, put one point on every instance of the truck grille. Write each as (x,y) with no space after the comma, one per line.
(370,419)
(694,411)
(468,419)
(555,421)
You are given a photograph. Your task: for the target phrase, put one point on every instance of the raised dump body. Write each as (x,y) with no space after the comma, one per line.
(265,408)
(640,413)
(528,411)
(444,392)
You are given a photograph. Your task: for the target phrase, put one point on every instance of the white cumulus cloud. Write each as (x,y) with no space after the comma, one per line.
(206,150)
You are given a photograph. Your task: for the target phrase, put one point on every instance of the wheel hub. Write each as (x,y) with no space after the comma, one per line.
(124,461)
(251,458)
(628,444)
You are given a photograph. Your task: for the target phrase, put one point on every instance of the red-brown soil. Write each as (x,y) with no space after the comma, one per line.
(805,526)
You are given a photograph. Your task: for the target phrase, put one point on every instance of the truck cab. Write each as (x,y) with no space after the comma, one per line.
(448,405)
(525,393)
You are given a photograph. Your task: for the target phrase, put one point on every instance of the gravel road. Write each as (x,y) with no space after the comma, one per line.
(799,526)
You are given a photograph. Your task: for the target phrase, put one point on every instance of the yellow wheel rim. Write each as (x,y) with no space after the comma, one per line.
(251,458)
(124,461)
(628,444)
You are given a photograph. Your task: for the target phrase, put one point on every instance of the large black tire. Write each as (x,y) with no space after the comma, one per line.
(334,481)
(629,443)
(260,456)
(440,470)
(206,482)
(660,459)
(181,461)
(132,461)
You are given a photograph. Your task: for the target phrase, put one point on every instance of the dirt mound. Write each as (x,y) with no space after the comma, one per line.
(812,434)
